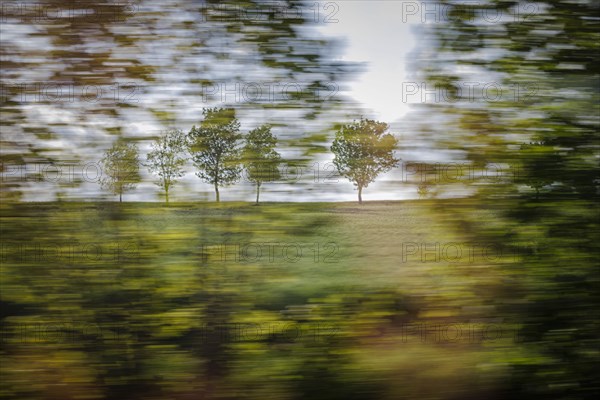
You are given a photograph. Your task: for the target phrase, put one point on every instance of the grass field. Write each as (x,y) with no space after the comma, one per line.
(232,300)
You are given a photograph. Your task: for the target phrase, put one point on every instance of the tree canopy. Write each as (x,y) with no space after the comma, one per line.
(167,158)
(260,158)
(121,168)
(214,146)
(363,150)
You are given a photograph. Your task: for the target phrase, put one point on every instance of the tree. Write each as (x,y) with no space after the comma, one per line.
(362,151)
(166,159)
(540,160)
(260,157)
(214,147)
(120,168)
(424,190)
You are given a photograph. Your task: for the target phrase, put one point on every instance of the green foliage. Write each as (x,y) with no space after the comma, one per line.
(260,158)
(167,158)
(547,54)
(214,147)
(138,301)
(363,150)
(120,168)
(542,159)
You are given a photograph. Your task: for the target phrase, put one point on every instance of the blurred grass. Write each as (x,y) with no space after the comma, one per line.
(166,305)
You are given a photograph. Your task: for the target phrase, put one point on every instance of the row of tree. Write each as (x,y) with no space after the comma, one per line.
(363,149)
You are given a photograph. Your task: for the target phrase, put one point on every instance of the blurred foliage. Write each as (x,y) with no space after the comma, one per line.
(76,73)
(546,131)
(142,301)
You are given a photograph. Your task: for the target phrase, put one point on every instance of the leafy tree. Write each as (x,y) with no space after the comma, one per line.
(167,158)
(120,168)
(260,157)
(214,147)
(363,150)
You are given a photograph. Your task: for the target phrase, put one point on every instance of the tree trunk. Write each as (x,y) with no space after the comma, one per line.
(217,192)
(359,194)
(120,197)
(257,192)
(167,196)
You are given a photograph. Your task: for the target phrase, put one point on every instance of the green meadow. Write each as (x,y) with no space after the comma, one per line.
(232,300)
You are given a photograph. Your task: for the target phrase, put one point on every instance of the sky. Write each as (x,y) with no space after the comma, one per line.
(375,34)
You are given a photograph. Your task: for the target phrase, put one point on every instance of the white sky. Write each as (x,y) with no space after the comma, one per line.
(375,34)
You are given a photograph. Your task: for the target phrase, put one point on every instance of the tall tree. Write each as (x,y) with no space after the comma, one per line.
(120,168)
(167,158)
(214,147)
(363,150)
(260,157)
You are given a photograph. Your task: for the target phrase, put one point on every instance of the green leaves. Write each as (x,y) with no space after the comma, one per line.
(167,158)
(545,55)
(363,150)
(260,157)
(120,168)
(214,147)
